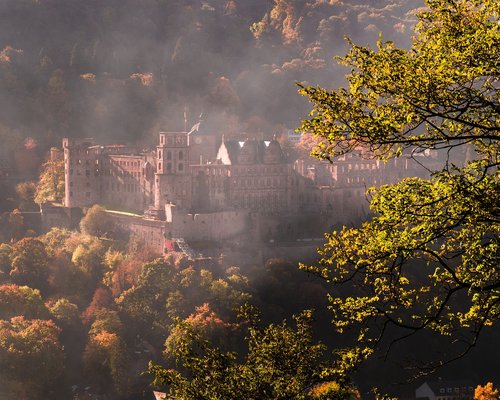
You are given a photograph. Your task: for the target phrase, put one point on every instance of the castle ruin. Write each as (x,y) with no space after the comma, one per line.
(198,187)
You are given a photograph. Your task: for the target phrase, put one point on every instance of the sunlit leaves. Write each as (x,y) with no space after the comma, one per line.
(429,258)
(50,186)
(282,362)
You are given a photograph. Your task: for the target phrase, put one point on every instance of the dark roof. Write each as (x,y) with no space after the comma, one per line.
(233,149)
(254,148)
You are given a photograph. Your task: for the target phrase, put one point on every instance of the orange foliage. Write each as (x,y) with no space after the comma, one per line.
(205,319)
(6,54)
(106,340)
(486,392)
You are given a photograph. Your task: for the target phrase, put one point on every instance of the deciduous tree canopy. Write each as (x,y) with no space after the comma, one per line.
(29,263)
(50,186)
(282,363)
(30,351)
(428,260)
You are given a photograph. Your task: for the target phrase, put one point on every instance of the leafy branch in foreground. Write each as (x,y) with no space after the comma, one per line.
(428,260)
(281,363)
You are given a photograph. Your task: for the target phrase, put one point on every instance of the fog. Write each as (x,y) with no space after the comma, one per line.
(123,69)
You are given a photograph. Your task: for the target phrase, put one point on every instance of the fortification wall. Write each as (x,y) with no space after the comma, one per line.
(211,226)
(57,216)
(150,232)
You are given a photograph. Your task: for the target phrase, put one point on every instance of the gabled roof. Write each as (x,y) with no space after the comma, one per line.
(228,152)
(159,395)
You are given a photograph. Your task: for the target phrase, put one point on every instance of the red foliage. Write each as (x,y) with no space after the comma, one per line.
(102,299)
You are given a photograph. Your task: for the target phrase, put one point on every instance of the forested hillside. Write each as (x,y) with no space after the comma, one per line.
(121,69)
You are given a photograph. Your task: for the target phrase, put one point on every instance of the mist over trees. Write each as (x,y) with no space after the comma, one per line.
(92,311)
(120,70)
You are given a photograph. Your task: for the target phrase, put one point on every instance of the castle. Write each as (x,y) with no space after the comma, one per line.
(202,187)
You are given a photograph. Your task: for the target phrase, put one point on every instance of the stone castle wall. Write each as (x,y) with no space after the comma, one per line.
(217,226)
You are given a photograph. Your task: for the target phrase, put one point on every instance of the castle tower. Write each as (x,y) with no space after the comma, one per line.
(172,177)
(81,172)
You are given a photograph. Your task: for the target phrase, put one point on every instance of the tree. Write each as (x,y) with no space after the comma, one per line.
(55,240)
(50,186)
(65,312)
(281,363)
(486,392)
(30,352)
(165,290)
(89,255)
(26,194)
(96,222)
(29,263)
(15,225)
(146,300)
(21,300)
(5,252)
(105,354)
(101,299)
(428,260)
